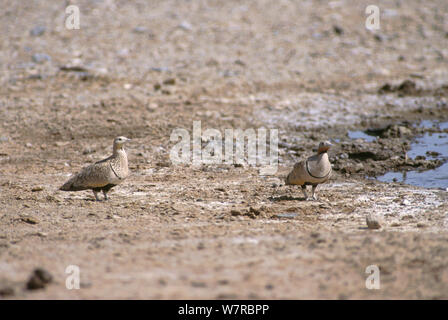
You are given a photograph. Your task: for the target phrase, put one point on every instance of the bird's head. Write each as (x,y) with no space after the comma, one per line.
(324,146)
(120,141)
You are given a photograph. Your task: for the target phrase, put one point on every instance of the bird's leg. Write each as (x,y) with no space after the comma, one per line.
(96,195)
(105,195)
(314,192)
(304,191)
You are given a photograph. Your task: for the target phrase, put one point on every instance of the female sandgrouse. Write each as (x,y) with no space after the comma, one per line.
(102,175)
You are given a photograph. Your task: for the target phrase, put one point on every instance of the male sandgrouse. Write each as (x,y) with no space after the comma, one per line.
(102,175)
(312,171)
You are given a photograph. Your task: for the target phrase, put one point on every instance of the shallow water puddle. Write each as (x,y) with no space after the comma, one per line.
(430,145)
(361,135)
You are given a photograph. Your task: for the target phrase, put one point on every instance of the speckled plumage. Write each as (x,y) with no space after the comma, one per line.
(312,171)
(102,175)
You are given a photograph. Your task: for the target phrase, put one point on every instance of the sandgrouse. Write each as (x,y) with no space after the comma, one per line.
(312,171)
(102,175)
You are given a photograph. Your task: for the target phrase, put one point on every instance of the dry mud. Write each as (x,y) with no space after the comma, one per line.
(142,69)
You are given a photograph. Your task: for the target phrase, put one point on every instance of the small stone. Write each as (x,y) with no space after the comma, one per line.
(123,53)
(37,189)
(39,279)
(403,131)
(186,26)
(29,219)
(358,167)
(40,57)
(198,284)
(169,82)
(372,222)
(235,212)
(6,291)
(421,225)
(153,106)
(405,202)
(378,37)
(255,211)
(88,150)
(432,153)
(338,30)
(41,234)
(139,29)
(38,31)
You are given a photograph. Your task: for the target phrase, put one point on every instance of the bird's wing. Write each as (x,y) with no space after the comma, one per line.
(94,176)
(298,174)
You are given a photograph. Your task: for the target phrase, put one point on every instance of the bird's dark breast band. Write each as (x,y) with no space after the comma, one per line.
(309,172)
(115,173)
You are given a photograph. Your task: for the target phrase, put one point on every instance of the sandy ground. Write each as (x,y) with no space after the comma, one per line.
(309,69)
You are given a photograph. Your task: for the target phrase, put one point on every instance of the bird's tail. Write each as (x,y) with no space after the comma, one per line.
(67,186)
(287,181)
(71,186)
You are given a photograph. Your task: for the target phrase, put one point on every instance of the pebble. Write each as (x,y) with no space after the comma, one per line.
(421,225)
(6,290)
(338,30)
(372,222)
(38,31)
(88,150)
(139,29)
(29,219)
(40,57)
(186,26)
(358,167)
(41,234)
(169,82)
(403,131)
(235,212)
(39,279)
(405,202)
